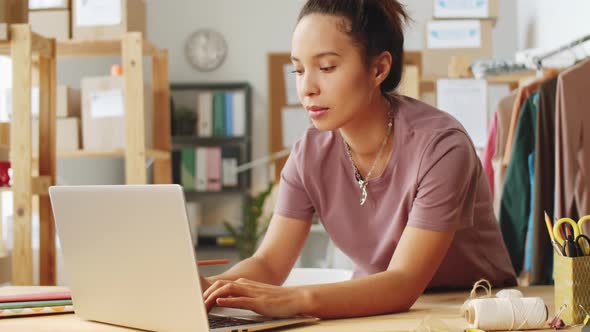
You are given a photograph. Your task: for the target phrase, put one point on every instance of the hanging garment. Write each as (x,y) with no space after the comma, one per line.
(504,111)
(572,144)
(542,261)
(489,152)
(516,194)
(523,94)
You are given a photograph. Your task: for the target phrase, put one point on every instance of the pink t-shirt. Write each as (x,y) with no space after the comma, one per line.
(433,180)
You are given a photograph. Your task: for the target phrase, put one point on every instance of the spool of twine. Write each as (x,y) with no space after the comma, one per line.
(506,313)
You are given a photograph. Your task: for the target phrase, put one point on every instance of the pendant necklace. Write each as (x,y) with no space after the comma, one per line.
(364,182)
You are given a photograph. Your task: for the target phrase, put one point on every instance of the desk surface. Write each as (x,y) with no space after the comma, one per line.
(443,306)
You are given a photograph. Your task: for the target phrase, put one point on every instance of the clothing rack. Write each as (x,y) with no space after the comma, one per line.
(538,60)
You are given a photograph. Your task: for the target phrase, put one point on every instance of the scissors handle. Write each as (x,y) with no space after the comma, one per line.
(584,248)
(557,230)
(570,247)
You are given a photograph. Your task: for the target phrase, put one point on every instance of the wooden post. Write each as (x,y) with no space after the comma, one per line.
(21,151)
(47,166)
(162,138)
(132,49)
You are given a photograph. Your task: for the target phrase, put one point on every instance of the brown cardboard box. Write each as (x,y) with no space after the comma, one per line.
(68,102)
(48,4)
(491,11)
(103,113)
(51,23)
(436,60)
(14,11)
(67,135)
(93,19)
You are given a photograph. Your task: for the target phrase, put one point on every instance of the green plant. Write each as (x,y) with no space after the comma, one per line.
(252,229)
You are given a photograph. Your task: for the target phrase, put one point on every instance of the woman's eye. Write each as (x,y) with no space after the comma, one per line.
(297,71)
(327,69)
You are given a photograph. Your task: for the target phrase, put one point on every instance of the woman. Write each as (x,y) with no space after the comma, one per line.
(396,183)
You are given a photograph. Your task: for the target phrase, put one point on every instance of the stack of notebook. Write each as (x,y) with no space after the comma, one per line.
(36,304)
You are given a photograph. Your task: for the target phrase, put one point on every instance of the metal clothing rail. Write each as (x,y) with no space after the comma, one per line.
(538,60)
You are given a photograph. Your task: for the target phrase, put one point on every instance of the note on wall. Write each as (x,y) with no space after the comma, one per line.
(290,86)
(98,12)
(454,34)
(295,121)
(461,8)
(107,103)
(466,100)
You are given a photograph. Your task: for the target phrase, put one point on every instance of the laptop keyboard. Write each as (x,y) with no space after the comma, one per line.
(216,322)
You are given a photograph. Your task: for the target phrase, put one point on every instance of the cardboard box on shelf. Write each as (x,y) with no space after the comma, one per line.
(107,19)
(48,4)
(471,39)
(103,113)
(14,11)
(453,9)
(51,23)
(67,135)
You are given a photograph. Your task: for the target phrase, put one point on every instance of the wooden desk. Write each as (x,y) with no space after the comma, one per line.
(443,306)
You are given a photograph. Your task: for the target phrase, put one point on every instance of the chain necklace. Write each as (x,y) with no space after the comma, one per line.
(357,175)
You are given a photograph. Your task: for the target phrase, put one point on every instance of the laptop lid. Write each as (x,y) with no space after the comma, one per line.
(129,259)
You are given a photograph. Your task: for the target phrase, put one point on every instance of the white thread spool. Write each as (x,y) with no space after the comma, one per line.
(509,293)
(506,313)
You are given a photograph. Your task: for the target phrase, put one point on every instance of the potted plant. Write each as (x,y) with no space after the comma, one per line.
(253,227)
(185,121)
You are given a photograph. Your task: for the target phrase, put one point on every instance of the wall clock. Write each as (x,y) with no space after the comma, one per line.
(206,49)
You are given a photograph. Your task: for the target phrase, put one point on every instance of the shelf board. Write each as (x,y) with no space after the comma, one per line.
(84,48)
(206,141)
(495,79)
(5,189)
(150,153)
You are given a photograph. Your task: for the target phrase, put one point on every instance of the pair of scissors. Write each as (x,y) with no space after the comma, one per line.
(571,244)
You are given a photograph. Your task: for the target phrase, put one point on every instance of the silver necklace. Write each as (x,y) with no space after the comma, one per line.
(357,175)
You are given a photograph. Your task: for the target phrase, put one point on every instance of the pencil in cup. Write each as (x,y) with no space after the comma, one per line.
(554,243)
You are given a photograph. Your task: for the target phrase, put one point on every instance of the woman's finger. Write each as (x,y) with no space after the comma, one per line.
(215,286)
(231,289)
(240,302)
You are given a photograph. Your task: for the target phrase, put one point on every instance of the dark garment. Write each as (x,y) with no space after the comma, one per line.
(516,194)
(543,197)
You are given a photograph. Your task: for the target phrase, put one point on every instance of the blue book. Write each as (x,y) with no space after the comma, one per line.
(229,113)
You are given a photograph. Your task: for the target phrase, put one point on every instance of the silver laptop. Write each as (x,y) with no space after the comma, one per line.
(129,260)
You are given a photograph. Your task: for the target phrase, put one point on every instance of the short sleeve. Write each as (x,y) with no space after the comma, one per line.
(447,183)
(293,199)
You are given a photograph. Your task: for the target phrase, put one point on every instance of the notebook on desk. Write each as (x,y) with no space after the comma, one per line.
(129,260)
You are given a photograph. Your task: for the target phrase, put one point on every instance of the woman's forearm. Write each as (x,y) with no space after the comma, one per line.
(381,293)
(253,268)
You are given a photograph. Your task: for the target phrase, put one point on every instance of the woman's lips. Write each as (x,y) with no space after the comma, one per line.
(315,112)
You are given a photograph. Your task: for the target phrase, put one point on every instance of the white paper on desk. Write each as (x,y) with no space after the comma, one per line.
(453,34)
(290,87)
(295,121)
(460,8)
(466,100)
(98,12)
(107,103)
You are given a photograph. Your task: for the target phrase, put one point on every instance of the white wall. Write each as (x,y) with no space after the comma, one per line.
(551,23)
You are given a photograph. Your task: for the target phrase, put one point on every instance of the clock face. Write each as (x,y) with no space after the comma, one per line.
(206,50)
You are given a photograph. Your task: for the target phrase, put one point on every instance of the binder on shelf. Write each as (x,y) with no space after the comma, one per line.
(239,103)
(229,113)
(214,169)
(201,177)
(230,156)
(187,168)
(205,114)
(218,114)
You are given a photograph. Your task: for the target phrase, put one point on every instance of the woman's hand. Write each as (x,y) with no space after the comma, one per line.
(264,299)
(205,284)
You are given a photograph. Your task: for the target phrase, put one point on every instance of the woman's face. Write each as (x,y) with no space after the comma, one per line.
(333,82)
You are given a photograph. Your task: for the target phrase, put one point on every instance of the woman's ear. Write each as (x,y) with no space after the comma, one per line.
(381,67)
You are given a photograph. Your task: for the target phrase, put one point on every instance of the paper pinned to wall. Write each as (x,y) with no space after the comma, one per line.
(461,8)
(295,122)
(466,100)
(107,103)
(98,12)
(454,34)
(290,86)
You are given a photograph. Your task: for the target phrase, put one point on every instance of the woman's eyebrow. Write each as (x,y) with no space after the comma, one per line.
(319,55)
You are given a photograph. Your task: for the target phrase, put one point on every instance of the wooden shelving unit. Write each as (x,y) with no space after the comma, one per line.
(26,47)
